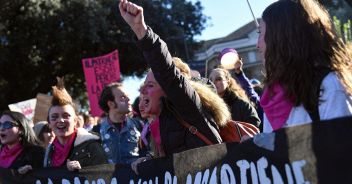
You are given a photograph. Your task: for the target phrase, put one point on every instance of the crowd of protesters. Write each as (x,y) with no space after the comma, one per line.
(308,77)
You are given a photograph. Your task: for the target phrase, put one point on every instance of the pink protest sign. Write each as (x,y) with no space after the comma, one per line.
(99,72)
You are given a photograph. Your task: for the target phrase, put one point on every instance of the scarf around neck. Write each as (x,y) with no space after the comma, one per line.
(276,106)
(61,152)
(155,133)
(9,155)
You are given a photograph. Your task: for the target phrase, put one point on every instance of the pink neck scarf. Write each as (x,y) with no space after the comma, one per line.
(9,155)
(61,151)
(144,133)
(276,106)
(155,133)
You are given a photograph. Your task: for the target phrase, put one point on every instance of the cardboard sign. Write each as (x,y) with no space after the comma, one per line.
(25,107)
(42,107)
(99,72)
(312,153)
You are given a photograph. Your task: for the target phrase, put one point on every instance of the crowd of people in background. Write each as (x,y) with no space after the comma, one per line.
(308,77)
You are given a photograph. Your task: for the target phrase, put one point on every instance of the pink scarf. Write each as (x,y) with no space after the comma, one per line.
(155,132)
(61,151)
(276,106)
(144,133)
(9,155)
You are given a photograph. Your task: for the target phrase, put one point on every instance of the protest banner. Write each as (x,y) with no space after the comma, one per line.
(25,107)
(99,72)
(41,108)
(311,153)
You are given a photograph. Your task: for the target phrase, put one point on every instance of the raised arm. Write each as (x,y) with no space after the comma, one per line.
(133,15)
(177,88)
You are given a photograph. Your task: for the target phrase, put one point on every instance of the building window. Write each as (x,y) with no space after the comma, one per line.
(252,57)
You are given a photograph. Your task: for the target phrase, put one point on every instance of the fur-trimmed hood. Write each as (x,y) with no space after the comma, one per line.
(213,102)
(83,135)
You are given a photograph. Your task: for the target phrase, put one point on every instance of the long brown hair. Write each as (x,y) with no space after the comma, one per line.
(300,41)
(233,87)
(27,134)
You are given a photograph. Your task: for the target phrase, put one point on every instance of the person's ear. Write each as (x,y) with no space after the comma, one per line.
(75,120)
(112,104)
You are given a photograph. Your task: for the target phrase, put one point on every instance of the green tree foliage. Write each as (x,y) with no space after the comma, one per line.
(42,39)
(341,12)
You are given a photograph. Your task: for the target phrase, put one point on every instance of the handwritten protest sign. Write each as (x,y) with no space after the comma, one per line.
(99,72)
(25,107)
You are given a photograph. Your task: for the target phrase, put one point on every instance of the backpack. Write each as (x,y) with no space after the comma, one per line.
(236,131)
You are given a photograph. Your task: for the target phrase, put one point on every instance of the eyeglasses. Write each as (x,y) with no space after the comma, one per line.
(8,125)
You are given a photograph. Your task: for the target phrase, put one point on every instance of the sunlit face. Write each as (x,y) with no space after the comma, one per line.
(9,136)
(142,106)
(121,104)
(261,45)
(62,120)
(220,81)
(151,95)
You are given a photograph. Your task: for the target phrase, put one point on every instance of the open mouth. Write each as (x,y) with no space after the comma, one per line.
(2,136)
(61,127)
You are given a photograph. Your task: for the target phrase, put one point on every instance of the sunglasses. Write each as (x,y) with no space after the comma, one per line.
(8,125)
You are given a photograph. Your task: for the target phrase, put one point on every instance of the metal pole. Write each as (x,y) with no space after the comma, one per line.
(186,48)
(255,19)
(206,67)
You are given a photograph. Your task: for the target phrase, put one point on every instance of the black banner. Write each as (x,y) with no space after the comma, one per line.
(314,153)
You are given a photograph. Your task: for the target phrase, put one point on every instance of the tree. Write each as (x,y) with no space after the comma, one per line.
(341,13)
(42,39)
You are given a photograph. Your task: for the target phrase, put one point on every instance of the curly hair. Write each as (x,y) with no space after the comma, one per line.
(300,43)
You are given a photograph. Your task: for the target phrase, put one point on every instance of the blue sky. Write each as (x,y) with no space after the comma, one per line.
(229,15)
(225,17)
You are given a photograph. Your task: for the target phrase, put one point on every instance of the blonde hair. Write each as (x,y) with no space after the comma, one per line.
(212,101)
(182,66)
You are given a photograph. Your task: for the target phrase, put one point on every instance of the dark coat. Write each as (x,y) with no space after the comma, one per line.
(181,96)
(241,110)
(31,155)
(87,150)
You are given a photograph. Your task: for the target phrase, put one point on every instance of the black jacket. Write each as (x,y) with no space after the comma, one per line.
(181,96)
(31,155)
(86,149)
(241,110)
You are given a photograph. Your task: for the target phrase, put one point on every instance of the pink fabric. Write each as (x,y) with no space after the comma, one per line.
(8,156)
(155,132)
(276,106)
(61,151)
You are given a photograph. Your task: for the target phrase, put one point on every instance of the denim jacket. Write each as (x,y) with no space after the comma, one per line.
(121,147)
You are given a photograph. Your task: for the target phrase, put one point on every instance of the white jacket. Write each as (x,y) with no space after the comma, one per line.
(334,103)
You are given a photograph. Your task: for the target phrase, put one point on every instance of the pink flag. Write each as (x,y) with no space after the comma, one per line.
(99,72)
